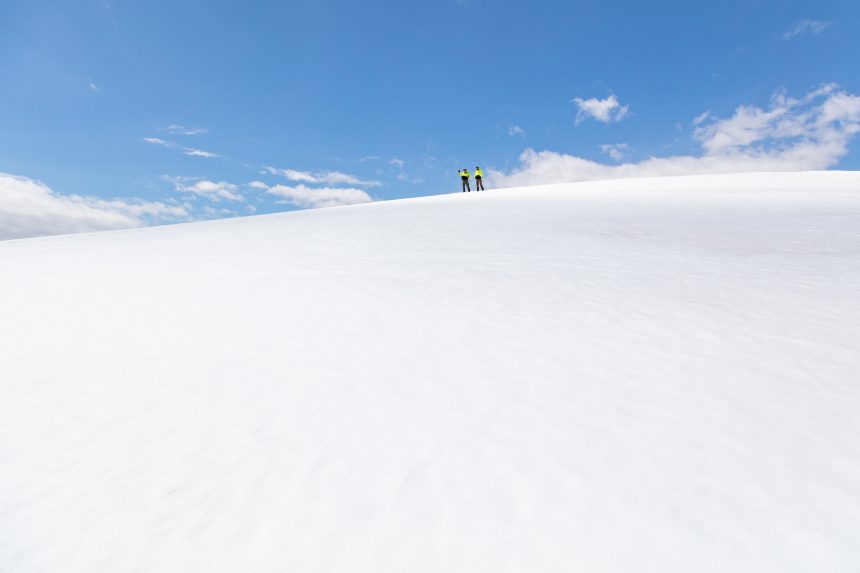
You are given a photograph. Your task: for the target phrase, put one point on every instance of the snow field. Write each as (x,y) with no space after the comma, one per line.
(640,375)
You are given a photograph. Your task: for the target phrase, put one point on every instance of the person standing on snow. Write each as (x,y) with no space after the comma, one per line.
(479,182)
(464,176)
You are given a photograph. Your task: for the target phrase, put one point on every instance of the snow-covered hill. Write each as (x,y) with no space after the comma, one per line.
(644,375)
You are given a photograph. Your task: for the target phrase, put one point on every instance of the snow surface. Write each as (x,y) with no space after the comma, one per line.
(643,375)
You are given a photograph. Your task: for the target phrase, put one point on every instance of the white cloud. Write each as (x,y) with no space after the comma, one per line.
(304,196)
(810,133)
(516,130)
(325,177)
(699,119)
(176,129)
(824,116)
(186,150)
(93,86)
(293,175)
(397,162)
(213,190)
(615,150)
(806,26)
(198,152)
(29,208)
(338,178)
(603,110)
(212,213)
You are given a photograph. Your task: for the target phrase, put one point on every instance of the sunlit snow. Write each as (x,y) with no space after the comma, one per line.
(645,375)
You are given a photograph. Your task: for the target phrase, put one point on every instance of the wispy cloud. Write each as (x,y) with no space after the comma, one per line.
(176,129)
(210,212)
(615,151)
(29,208)
(806,26)
(606,110)
(198,152)
(516,130)
(701,118)
(185,150)
(212,190)
(313,197)
(324,177)
(809,133)
(93,86)
(399,169)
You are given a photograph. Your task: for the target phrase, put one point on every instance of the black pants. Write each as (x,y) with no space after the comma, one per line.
(479,184)
(466,186)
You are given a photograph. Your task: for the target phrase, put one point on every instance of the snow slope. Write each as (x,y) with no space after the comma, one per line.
(643,375)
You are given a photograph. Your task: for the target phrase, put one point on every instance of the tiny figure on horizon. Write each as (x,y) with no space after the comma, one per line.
(479,181)
(464,177)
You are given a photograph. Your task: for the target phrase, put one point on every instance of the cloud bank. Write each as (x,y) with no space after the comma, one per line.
(810,133)
(29,208)
(313,197)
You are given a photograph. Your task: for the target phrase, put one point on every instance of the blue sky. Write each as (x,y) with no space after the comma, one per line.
(218,108)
